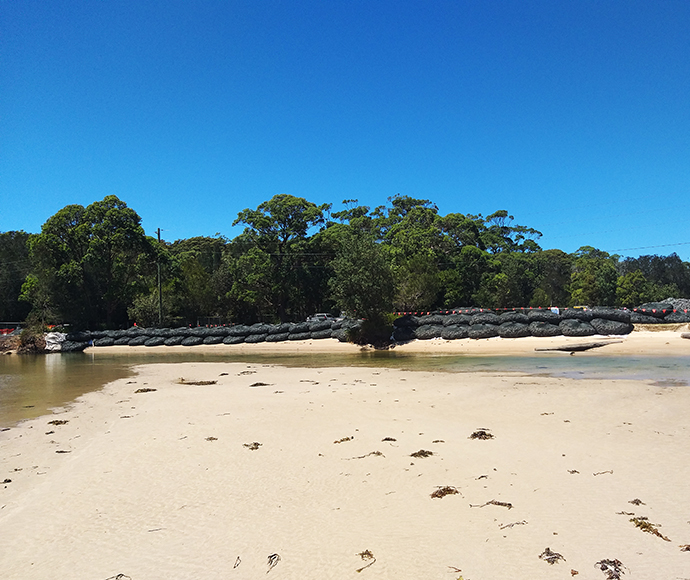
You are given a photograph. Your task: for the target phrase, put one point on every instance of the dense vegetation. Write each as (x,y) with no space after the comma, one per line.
(94,266)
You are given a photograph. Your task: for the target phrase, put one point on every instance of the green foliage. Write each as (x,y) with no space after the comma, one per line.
(14,267)
(594,279)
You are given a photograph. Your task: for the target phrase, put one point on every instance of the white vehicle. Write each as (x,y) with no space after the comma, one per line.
(320,317)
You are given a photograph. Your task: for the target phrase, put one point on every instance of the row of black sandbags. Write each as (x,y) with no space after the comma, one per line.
(514,324)
(237,334)
(659,313)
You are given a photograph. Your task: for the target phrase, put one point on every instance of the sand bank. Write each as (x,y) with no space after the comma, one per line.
(314,467)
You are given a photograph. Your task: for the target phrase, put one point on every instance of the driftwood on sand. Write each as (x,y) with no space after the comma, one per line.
(572,348)
(685,335)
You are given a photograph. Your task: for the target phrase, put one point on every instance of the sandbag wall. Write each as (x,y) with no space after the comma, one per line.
(480,323)
(675,311)
(238,334)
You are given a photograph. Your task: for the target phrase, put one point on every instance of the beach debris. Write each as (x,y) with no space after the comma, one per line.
(344,439)
(367,556)
(494,502)
(252,446)
(521,523)
(246,373)
(7,481)
(637,502)
(224,375)
(62,451)
(438,441)
(211,438)
(273,560)
(375,453)
(183,381)
(550,556)
(573,572)
(58,422)
(573,471)
(388,439)
(260,385)
(421,454)
(684,547)
(573,348)
(119,577)
(625,513)
(443,491)
(646,526)
(612,568)
(49,432)
(145,390)
(238,561)
(603,472)
(482,434)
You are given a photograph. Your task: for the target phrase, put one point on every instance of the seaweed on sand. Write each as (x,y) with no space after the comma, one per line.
(144,390)
(367,556)
(344,439)
(421,454)
(612,568)
(388,439)
(252,446)
(183,381)
(58,422)
(494,502)
(273,560)
(482,434)
(646,526)
(444,491)
(550,556)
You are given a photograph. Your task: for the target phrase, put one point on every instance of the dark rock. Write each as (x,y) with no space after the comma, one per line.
(455,331)
(482,330)
(233,339)
(513,316)
(616,314)
(255,338)
(576,327)
(428,331)
(192,341)
(513,329)
(607,326)
(299,336)
(213,339)
(584,314)
(542,329)
(322,333)
(155,341)
(174,340)
(543,315)
(105,341)
(485,318)
(277,337)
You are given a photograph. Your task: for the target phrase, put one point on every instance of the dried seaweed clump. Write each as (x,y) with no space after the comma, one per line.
(144,390)
(504,504)
(444,491)
(482,434)
(388,439)
(685,548)
(612,568)
(550,556)
(344,439)
(646,526)
(367,556)
(58,422)
(252,446)
(637,502)
(183,381)
(211,438)
(259,384)
(421,453)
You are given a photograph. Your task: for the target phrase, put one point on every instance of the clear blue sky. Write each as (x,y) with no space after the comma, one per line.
(573,116)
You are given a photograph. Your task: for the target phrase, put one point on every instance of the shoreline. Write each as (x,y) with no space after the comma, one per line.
(164,483)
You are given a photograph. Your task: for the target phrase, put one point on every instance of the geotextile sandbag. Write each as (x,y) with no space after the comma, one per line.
(455,331)
(105,341)
(326,333)
(430,319)
(213,339)
(138,340)
(299,328)
(657,309)
(280,328)
(428,331)
(576,327)
(155,341)
(455,319)
(543,315)
(122,341)
(299,336)
(512,316)
(340,334)
(277,337)
(319,325)
(407,321)
(617,314)
(543,329)
(678,316)
(238,330)
(477,331)
(73,346)
(584,314)
(259,328)
(192,341)
(234,339)
(255,338)
(513,329)
(639,318)
(607,326)
(485,318)
(173,340)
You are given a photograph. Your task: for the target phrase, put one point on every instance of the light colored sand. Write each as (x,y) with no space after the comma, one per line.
(144,492)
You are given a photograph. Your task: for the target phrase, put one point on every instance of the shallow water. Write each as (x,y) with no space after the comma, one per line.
(32,385)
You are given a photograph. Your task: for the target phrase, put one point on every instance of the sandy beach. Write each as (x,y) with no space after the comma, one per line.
(258,471)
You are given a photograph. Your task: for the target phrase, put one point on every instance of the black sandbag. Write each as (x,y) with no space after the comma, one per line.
(607,326)
(213,339)
(455,319)
(583,314)
(484,318)
(174,340)
(543,329)
(407,321)
(138,341)
(543,315)
(482,330)
(678,316)
(340,334)
(428,331)
(403,334)
(430,320)
(336,325)
(657,309)
(134,331)
(233,339)
(512,316)
(84,336)
(513,330)
(300,336)
(122,341)
(105,341)
(639,318)
(280,328)
(155,341)
(326,333)
(455,331)
(182,331)
(607,313)
(576,327)
(73,346)
(277,337)
(221,331)
(259,328)
(115,333)
(237,330)
(254,338)
(299,328)
(319,326)
(192,341)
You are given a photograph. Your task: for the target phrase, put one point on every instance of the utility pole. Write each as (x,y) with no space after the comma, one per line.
(160,288)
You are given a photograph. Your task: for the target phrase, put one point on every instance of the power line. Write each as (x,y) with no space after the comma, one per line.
(650,247)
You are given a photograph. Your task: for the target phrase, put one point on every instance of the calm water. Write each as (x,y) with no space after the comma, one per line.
(31,385)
